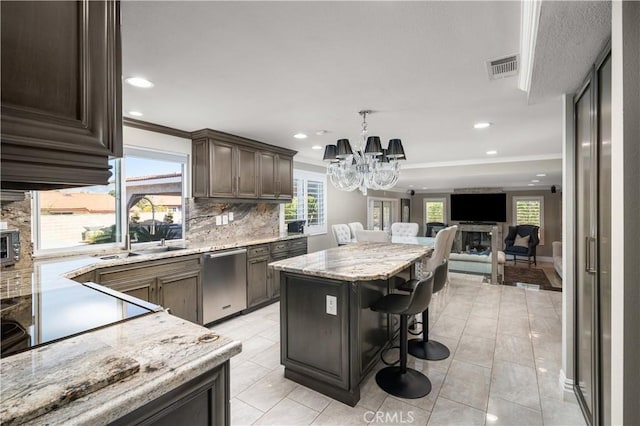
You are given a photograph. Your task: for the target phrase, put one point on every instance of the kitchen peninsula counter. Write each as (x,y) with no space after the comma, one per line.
(330,338)
(130,368)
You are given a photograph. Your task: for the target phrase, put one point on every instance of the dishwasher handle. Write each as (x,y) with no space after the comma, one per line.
(225,253)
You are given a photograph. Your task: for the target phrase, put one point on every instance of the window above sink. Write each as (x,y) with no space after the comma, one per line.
(145,197)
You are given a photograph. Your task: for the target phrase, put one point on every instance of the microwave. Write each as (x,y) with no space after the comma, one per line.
(9,246)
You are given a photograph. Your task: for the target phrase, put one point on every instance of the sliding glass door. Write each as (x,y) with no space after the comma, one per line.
(592,106)
(382,213)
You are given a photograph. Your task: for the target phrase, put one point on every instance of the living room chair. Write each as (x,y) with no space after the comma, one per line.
(402,229)
(432,228)
(341,233)
(522,240)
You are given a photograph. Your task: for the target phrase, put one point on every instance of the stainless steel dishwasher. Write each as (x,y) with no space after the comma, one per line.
(224,288)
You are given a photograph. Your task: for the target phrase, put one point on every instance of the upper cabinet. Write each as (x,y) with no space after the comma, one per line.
(61,93)
(231,167)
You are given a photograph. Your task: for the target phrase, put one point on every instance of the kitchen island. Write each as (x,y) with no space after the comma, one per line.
(330,339)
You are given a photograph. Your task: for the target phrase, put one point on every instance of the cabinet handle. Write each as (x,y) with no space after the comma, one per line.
(589,254)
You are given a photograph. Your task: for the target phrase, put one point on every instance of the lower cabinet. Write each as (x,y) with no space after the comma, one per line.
(202,401)
(175,284)
(181,293)
(257,283)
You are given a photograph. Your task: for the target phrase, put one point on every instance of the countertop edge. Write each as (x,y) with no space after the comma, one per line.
(149,390)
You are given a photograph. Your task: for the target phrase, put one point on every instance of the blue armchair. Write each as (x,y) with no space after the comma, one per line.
(528,250)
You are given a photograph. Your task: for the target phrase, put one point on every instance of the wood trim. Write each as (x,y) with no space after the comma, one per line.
(158,128)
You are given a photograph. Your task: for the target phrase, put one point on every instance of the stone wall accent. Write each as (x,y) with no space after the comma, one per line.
(250,221)
(17,214)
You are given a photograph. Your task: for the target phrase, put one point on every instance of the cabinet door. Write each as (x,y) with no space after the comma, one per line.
(221,169)
(61,93)
(143,288)
(200,168)
(285,177)
(257,283)
(182,295)
(247,173)
(274,277)
(267,175)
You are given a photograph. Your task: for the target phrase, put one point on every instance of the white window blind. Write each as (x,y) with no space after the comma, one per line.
(529,211)
(434,210)
(309,201)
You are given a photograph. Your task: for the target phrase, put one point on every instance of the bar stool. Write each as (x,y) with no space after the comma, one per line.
(425,348)
(401,381)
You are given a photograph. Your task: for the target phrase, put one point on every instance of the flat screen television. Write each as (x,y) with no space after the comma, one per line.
(479,207)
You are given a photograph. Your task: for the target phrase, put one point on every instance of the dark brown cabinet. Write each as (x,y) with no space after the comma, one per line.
(257,273)
(61,93)
(276,176)
(175,284)
(180,294)
(230,167)
(201,401)
(281,250)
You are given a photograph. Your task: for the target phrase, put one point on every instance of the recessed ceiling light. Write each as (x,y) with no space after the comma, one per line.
(530,184)
(424,187)
(316,147)
(492,418)
(541,174)
(482,125)
(136,113)
(492,152)
(300,136)
(535,180)
(139,82)
(321,132)
(410,186)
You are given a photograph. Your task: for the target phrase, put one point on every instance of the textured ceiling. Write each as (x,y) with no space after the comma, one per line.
(268,70)
(570,37)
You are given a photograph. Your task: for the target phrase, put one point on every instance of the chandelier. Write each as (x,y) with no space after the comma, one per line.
(366,166)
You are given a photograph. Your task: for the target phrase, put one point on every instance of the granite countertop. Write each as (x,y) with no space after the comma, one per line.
(113,370)
(356,262)
(159,352)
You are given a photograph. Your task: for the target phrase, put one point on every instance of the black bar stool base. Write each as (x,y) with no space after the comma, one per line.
(432,350)
(412,384)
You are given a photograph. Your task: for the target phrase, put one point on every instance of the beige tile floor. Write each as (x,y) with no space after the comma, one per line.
(503,369)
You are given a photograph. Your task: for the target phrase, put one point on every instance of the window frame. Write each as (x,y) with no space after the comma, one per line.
(514,214)
(158,155)
(306,176)
(442,200)
(395,211)
(121,214)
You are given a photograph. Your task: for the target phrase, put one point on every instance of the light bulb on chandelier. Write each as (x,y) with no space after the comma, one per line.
(368,166)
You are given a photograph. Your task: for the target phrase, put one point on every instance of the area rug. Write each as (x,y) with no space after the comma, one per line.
(527,278)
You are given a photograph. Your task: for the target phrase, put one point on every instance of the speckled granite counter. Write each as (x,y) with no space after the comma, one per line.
(356,262)
(168,350)
(101,375)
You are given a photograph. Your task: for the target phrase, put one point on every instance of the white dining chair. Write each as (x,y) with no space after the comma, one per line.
(355,227)
(372,236)
(403,229)
(341,233)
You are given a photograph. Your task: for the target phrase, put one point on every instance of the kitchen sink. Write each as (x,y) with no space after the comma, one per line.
(158,249)
(119,256)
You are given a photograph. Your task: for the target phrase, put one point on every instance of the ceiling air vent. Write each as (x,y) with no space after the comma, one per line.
(503,67)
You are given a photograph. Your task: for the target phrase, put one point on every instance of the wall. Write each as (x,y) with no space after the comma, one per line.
(625,221)
(552,214)
(342,207)
(17,214)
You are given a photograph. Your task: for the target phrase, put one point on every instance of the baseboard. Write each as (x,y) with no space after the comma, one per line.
(566,385)
(544,259)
